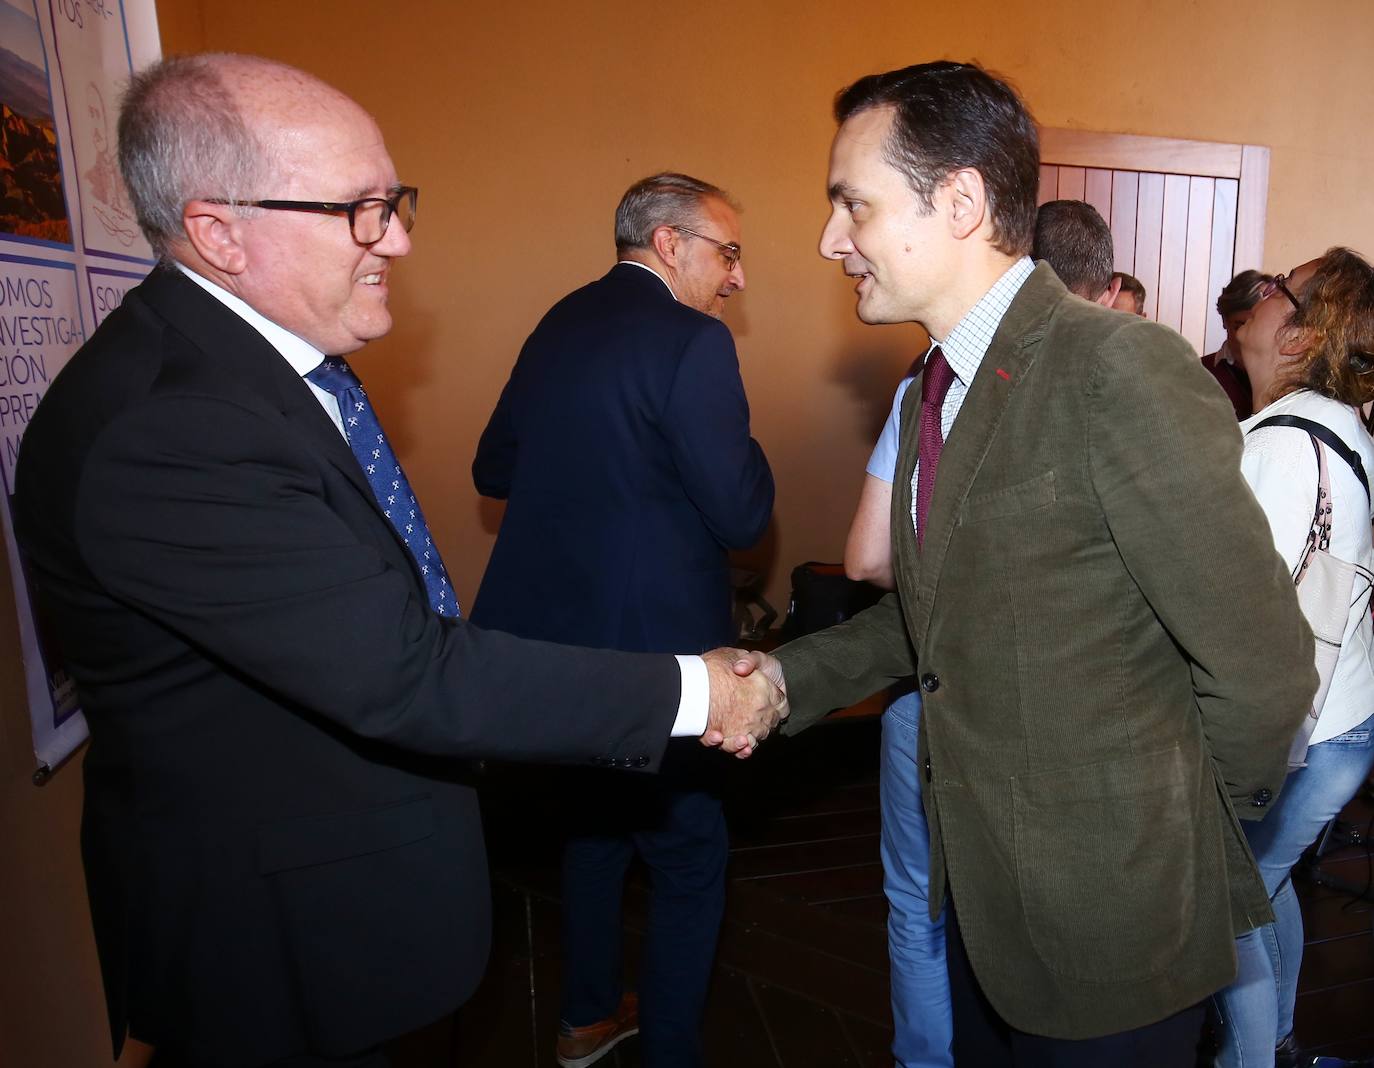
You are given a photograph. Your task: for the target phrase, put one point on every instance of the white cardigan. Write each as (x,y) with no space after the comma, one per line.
(1281,468)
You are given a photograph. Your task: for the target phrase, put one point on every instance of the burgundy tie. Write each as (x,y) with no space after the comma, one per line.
(935,384)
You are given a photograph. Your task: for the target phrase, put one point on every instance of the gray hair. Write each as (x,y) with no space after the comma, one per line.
(182,137)
(666,199)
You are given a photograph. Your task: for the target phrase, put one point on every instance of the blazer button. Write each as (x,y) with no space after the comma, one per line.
(1261,797)
(930,683)
(599,761)
(641,761)
(927,769)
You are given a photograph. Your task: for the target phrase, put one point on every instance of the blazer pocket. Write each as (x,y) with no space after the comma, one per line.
(1028,496)
(1106,865)
(315,840)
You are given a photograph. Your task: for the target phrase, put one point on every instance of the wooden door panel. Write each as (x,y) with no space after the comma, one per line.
(1097,191)
(1049,185)
(1125,187)
(1222,258)
(1071,183)
(1149,233)
(1197,261)
(1184,215)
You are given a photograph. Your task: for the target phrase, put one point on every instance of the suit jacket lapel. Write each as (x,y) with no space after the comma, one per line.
(252,364)
(1012,352)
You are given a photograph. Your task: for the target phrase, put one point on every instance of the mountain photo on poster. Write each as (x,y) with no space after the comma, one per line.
(31,201)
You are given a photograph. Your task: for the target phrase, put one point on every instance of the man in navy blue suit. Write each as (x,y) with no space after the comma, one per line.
(621,443)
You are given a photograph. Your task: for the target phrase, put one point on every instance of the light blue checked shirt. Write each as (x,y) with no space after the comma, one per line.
(968,343)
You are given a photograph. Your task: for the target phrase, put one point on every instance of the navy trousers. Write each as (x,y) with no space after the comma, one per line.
(983,1038)
(675,823)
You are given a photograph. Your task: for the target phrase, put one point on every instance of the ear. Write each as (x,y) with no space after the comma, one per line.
(1109,294)
(665,242)
(1294,340)
(215,231)
(968,202)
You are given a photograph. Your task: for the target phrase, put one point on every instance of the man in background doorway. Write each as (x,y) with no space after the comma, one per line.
(1073,238)
(1131,297)
(621,445)
(1235,305)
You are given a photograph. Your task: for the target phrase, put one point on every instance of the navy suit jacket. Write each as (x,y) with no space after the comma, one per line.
(622,444)
(279,859)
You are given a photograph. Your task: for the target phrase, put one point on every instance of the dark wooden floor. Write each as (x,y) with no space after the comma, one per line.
(801,978)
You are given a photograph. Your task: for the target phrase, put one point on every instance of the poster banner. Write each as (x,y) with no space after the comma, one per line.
(69,251)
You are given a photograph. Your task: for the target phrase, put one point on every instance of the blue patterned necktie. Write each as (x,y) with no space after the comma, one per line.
(383,472)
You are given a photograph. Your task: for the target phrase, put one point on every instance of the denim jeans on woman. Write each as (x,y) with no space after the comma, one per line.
(1257,1009)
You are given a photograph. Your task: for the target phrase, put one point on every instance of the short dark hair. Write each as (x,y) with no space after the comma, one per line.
(664,199)
(1074,239)
(1241,292)
(1132,285)
(953,115)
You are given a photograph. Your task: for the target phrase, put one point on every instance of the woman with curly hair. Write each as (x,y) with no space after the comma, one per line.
(1309,350)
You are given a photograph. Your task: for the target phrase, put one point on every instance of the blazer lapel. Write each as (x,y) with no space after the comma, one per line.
(1010,356)
(254,366)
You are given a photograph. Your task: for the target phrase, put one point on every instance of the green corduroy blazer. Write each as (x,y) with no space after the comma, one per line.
(1112,663)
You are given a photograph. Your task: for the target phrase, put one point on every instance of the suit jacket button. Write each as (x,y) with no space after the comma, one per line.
(599,761)
(1261,797)
(641,761)
(927,769)
(930,683)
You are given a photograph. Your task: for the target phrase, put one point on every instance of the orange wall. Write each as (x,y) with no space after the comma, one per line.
(523,122)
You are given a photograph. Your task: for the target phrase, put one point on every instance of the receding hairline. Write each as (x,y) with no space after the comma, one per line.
(271,95)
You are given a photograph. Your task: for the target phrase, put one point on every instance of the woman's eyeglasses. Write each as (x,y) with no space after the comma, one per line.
(1280,284)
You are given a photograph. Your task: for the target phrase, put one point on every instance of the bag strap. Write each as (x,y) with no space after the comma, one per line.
(1319,536)
(1330,437)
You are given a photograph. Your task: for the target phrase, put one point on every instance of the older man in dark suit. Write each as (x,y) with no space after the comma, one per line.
(1074,550)
(622,445)
(280,866)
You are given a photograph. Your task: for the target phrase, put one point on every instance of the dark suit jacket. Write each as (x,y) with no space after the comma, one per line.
(277,857)
(622,443)
(1091,725)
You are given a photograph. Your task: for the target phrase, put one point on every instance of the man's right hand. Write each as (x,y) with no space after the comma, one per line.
(745,704)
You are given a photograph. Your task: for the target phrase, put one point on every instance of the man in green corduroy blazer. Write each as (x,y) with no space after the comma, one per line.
(1111,655)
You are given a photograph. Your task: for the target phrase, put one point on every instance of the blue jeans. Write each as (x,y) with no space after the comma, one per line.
(921,1016)
(1257,1009)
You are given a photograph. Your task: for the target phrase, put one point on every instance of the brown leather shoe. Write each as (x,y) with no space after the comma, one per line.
(581,1046)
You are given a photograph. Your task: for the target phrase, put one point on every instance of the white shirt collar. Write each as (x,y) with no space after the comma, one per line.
(301,355)
(646,267)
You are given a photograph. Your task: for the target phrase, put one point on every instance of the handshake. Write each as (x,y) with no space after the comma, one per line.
(748,699)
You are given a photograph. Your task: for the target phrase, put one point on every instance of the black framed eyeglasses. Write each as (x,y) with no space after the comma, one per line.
(1280,283)
(729,251)
(368,217)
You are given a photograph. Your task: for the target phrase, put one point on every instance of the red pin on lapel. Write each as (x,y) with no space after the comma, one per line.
(1003,374)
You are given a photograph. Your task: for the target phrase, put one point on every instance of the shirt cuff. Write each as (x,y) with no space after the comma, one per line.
(695,703)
